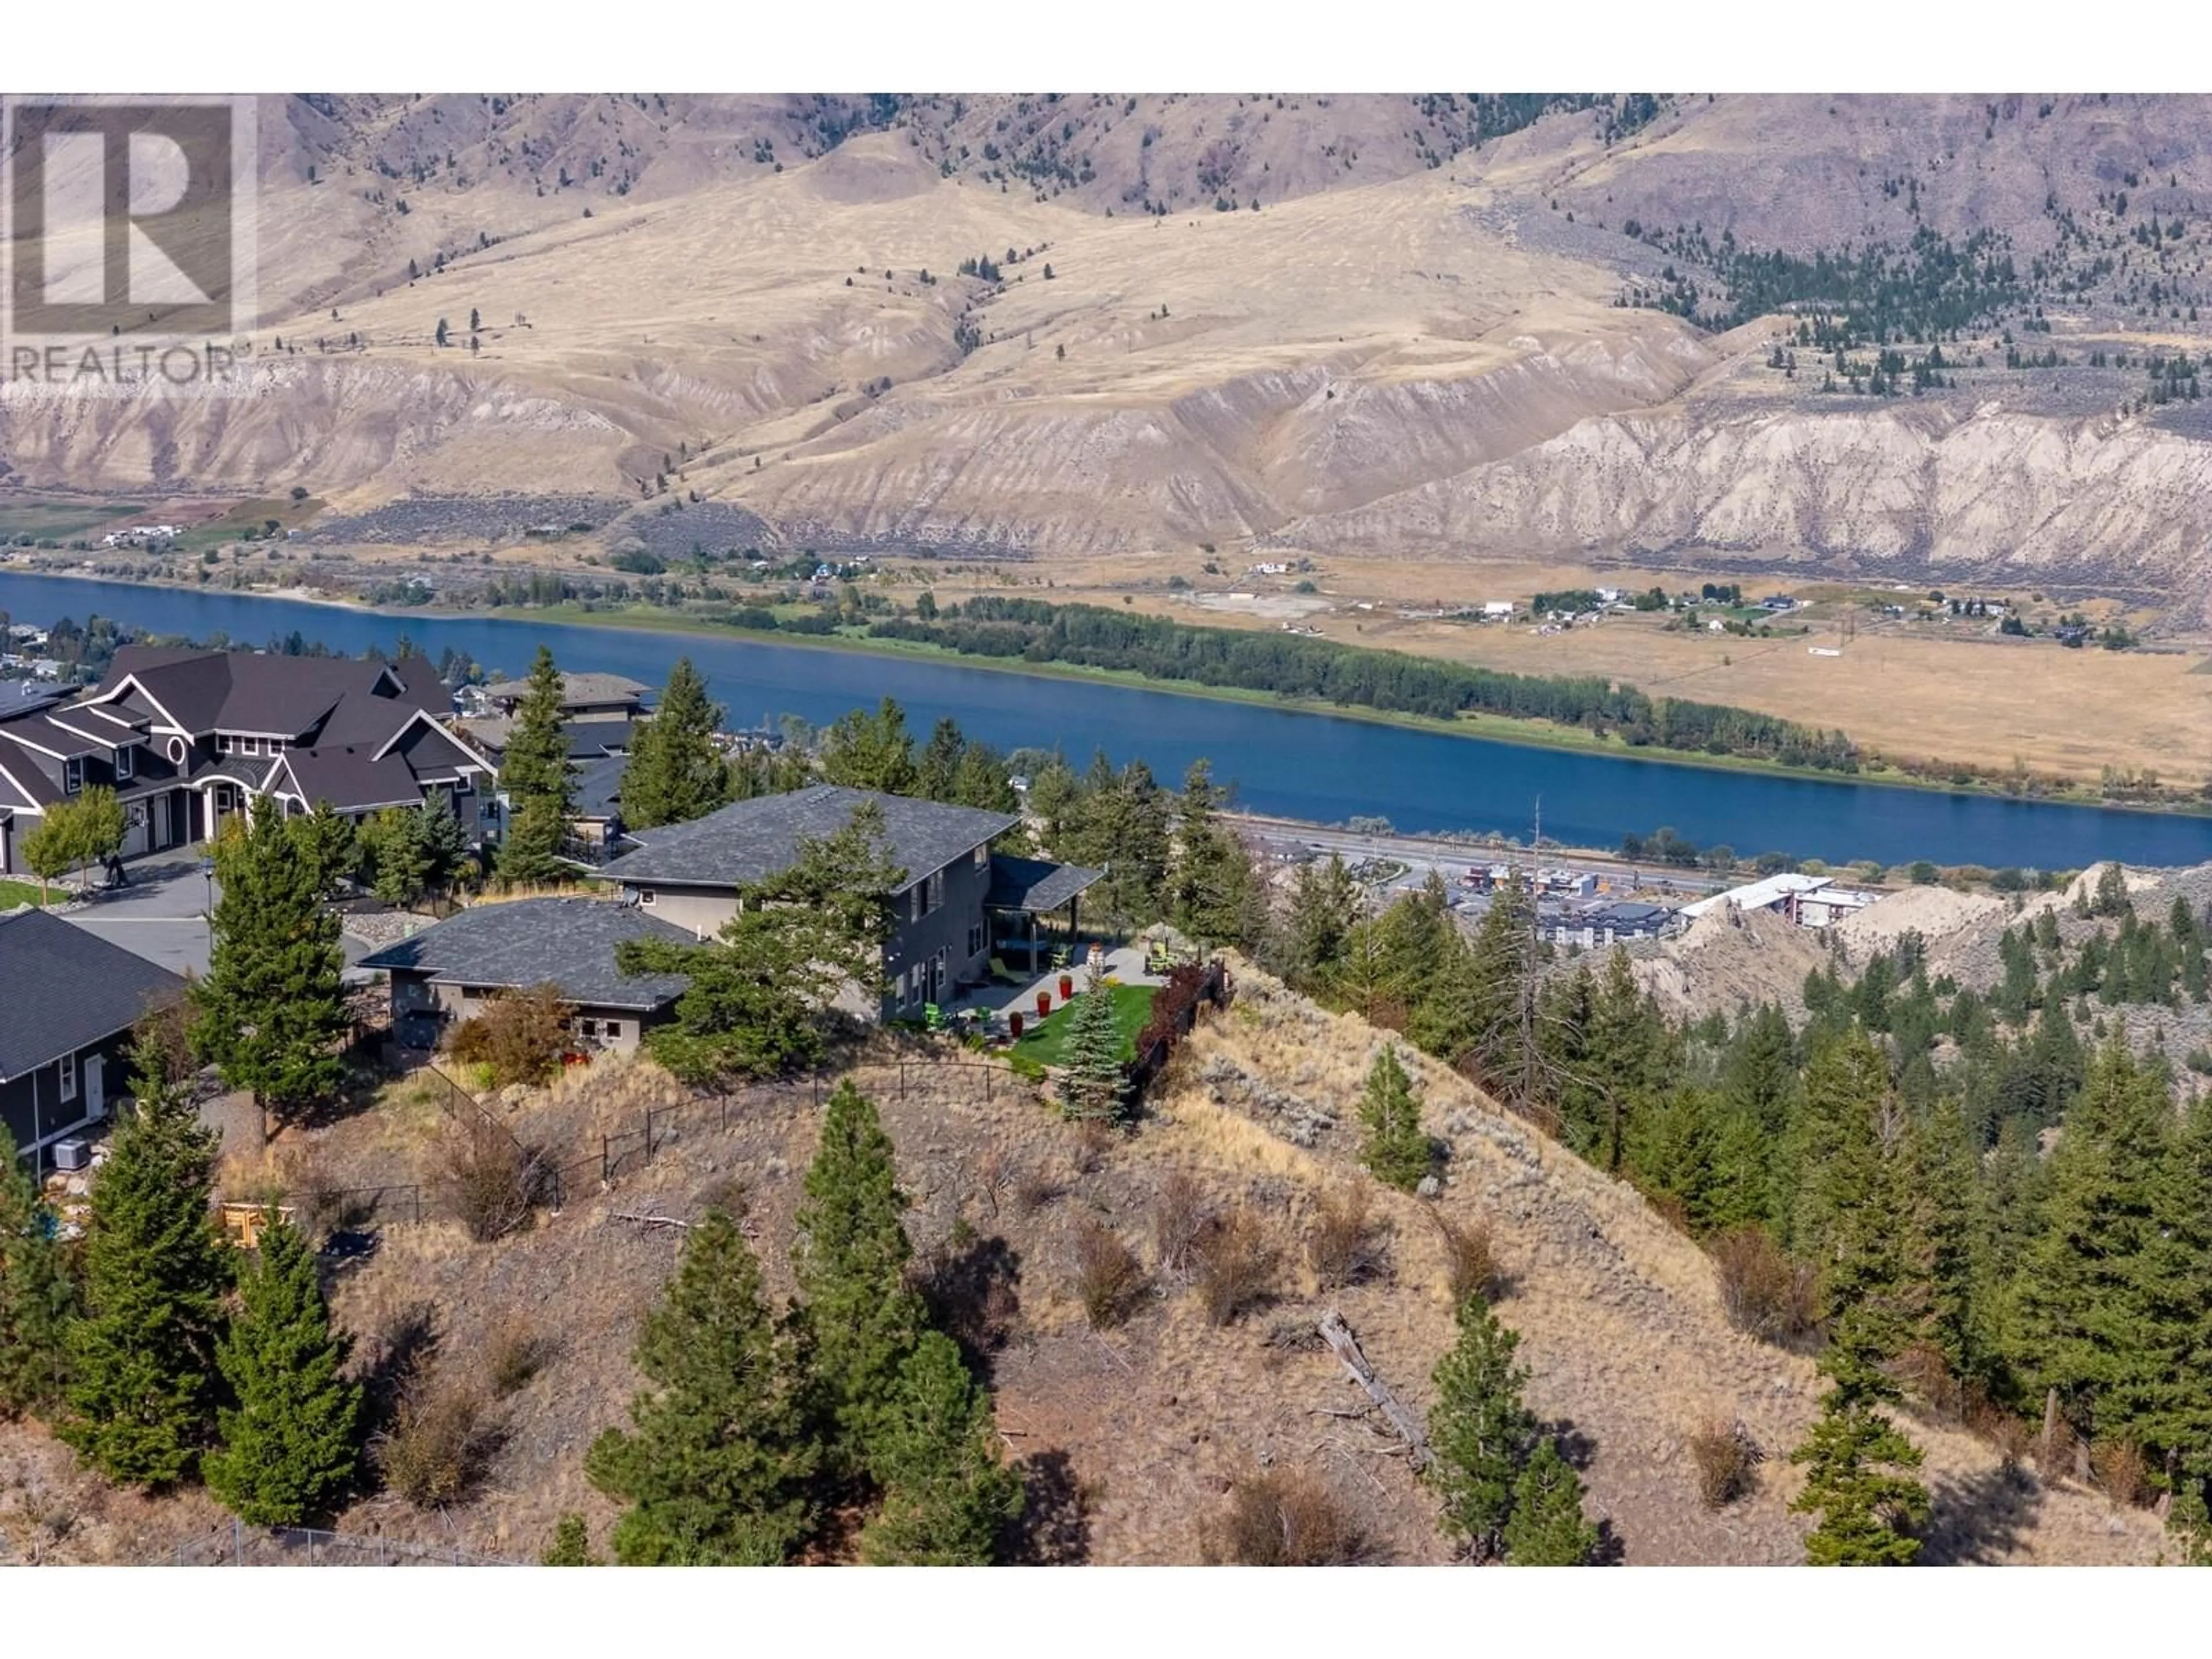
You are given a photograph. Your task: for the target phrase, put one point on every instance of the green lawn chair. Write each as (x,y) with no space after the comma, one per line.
(932,1016)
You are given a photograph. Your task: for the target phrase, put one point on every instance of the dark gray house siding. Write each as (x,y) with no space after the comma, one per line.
(52,1102)
(941,937)
(67,1001)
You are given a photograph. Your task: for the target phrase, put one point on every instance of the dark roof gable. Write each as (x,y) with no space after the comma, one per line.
(750,840)
(62,989)
(567,942)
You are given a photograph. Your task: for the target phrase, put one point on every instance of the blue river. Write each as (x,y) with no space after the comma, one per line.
(1282,762)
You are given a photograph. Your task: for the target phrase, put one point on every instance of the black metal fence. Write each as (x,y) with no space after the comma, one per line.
(1213,989)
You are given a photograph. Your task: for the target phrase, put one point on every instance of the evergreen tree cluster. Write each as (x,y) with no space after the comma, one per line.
(1892,1144)
(160,1360)
(1507,1492)
(756,1425)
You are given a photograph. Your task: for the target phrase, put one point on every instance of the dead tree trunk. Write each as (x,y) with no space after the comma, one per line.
(1400,1416)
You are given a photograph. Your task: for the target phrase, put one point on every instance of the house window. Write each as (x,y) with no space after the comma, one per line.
(68,1076)
(936,892)
(614,1030)
(983,856)
(72,777)
(587,1028)
(913,908)
(645,898)
(126,759)
(976,939)
(464,785)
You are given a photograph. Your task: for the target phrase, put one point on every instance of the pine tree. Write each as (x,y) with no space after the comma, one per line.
(1324,905)
(675,773)
(870,752)
(142,1359)
(37,1299)
(330,846)
(535,776)
(717,1464)
(1480,1431)
(270,1014)
(393,844)
(947,1494)
(291,1444)
(937,775)
(850,1262)
(1093,1083)
(1548,1529)
(2085,1306)
(1397,1150)
(2172,1404)
(1858,1481)
(1212,895)
(530,852)
(444,843)
(1943,1232)
(1858,1200)
(570,1544)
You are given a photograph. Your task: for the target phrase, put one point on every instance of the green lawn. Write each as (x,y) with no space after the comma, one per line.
(13,893)
(1133,1006)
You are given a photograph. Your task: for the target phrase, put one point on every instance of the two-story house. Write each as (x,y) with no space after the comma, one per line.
(690,874)
(185,737)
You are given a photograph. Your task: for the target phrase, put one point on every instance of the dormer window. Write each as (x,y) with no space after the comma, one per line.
(72,777)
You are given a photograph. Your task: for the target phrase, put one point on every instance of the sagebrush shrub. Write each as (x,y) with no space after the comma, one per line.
(1108,1275)
(1286,1518)
(1725,1457)
(1764,1293)
(1236,1264)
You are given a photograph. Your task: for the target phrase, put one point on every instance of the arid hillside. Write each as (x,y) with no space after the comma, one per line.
(1910,337)
(1130,1435)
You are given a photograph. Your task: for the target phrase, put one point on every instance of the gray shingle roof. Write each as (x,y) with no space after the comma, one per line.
(351,779)
(599,786)
(1035,885)
(569,942)
(575,689)
(62,989)
(750,840)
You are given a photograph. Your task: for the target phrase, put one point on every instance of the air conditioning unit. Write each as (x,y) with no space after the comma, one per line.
(72,1154)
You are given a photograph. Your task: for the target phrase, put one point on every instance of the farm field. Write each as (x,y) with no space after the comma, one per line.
(1904,689)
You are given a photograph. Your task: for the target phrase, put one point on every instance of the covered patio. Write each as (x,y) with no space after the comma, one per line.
(1024,893)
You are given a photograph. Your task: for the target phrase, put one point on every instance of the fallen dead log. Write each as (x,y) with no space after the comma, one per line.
(1400,1416)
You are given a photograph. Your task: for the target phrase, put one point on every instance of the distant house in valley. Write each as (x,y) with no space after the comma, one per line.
(946,911)
(185,737)
(1808,901)
(67,1000)
(449,971)
(606,696)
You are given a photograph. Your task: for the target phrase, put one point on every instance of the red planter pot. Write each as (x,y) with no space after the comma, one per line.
(1067,987)
(1014,1024)
(1044,1003)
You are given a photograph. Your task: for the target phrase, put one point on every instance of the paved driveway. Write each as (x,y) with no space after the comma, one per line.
(162,916)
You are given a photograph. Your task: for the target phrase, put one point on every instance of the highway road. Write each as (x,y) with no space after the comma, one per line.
(1420,854)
